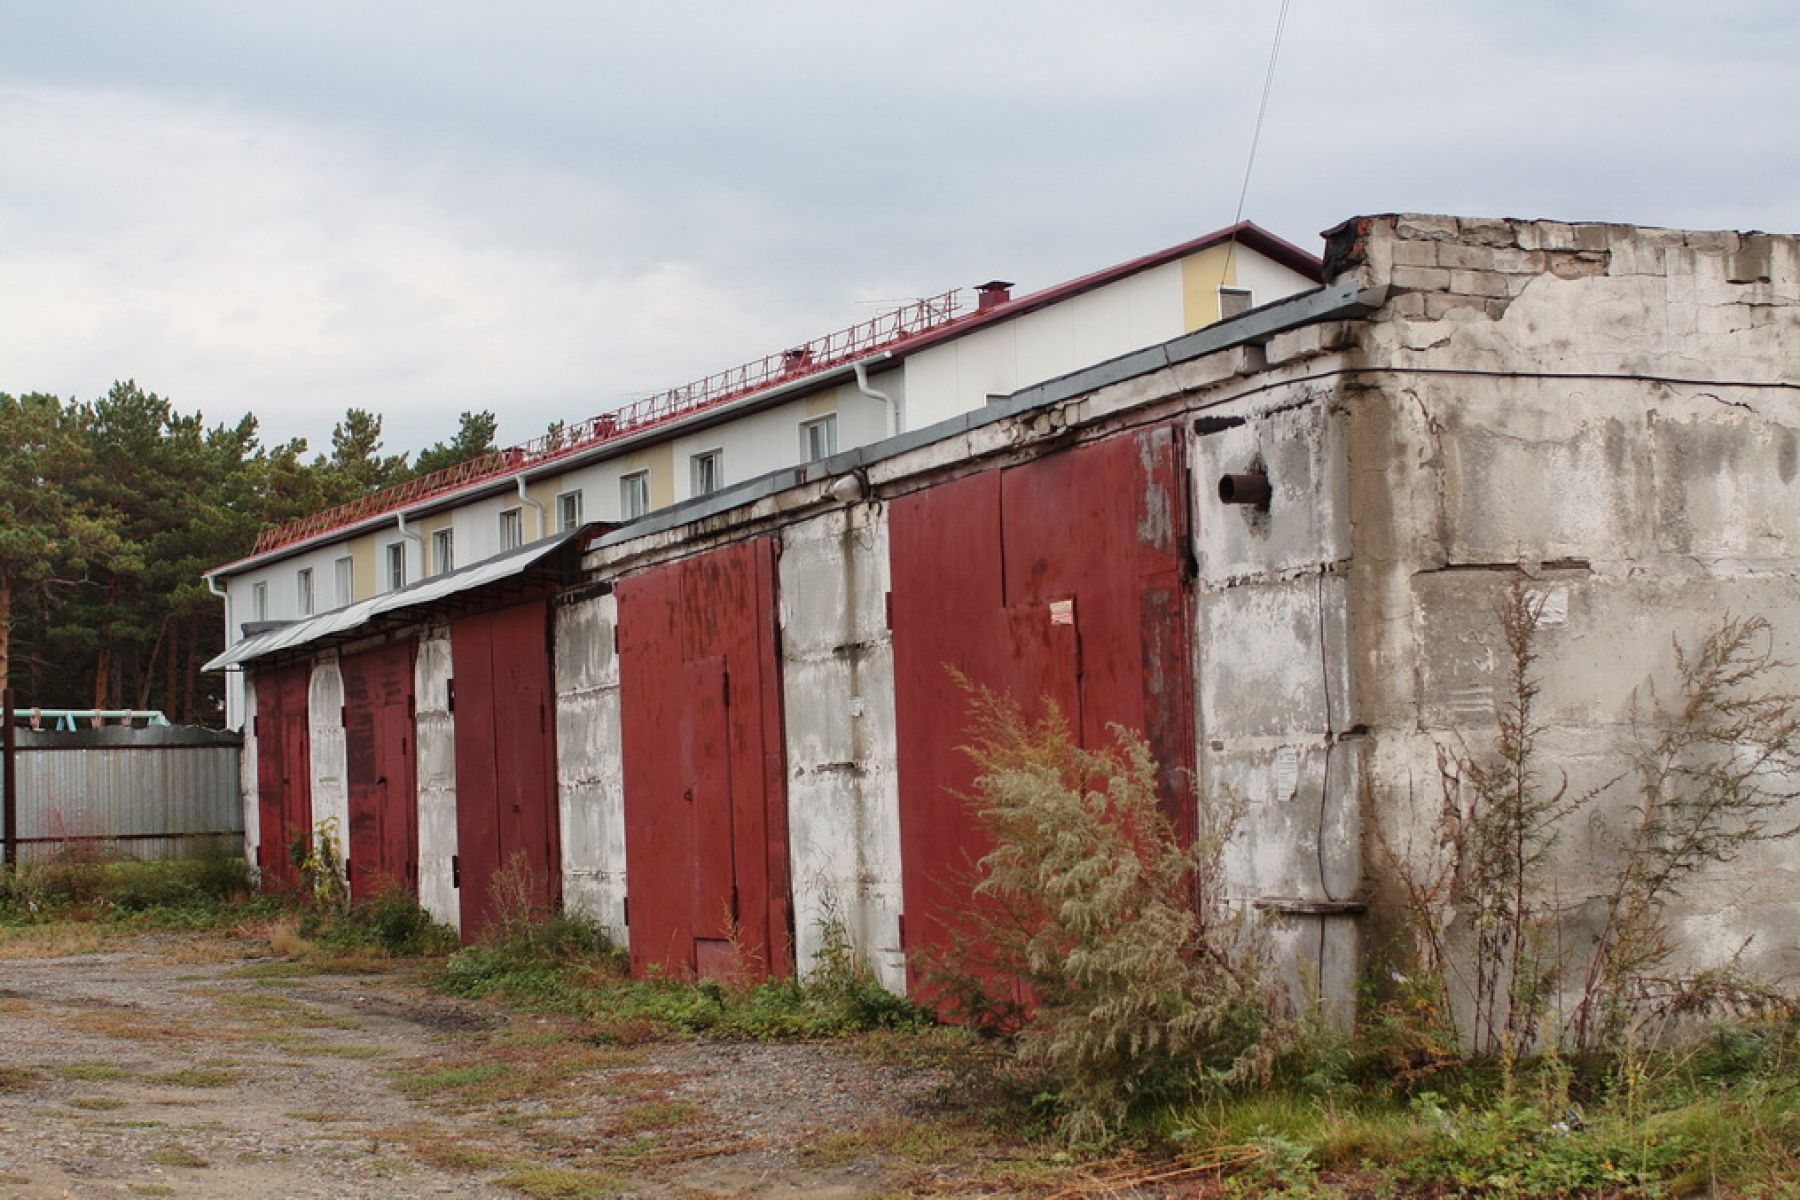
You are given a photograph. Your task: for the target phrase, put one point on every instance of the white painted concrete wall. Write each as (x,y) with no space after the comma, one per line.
(247,765)
(325,727)
(434,734)
(838,695)
(590,765)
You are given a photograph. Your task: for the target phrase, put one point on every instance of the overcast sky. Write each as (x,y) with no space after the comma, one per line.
(546,208)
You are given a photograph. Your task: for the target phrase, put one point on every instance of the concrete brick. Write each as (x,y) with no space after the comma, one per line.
(1413,254)
(1546,235)
(1423,279)
(1519,262)
(1425,227)
(1579,266)
(1486,231)
(1480,283)
(1466,258)
(1448,306)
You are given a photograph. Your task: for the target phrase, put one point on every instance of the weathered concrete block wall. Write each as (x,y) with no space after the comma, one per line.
(590,762)
(434,731)
(325,728)
(1273,701)
(838,692)
(1609,414)
(247,782)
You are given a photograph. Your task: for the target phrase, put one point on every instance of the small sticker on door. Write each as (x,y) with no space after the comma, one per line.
(1062,612)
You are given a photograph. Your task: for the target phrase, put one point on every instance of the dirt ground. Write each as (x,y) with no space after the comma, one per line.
(185,1066)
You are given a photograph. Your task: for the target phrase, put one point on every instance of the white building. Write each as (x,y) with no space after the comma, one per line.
(920,365)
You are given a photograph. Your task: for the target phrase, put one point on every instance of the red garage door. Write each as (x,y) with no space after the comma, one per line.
(378,752)
(283,773)
(1060,579)
(705,768)
(505,758)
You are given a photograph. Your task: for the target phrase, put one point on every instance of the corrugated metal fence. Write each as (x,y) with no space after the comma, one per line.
(156,793)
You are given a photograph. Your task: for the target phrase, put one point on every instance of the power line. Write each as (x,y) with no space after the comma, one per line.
(1262,109)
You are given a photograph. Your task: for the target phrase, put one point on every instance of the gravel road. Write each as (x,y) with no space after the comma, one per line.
(185,1066)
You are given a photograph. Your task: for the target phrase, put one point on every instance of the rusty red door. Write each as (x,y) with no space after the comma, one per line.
(381,770)
(1061,581)
(505,760)
(706,851)
(283,773)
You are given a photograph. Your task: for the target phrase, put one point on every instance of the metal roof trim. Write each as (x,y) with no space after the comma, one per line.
(352,618)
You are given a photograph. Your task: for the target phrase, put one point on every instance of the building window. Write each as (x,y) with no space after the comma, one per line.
(708,471)
(1234,302)
(568,511)
(259,602)
(346,581)
(634,495)
(396,566)
(443,552)
(818,439)
(512,529)
(304,591)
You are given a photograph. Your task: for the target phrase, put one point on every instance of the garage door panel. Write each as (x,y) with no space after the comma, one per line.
(383,836)
(283,773)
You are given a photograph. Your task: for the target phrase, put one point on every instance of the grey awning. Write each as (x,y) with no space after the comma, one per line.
(357,619)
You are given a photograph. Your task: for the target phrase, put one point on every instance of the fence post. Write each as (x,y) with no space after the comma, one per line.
(9,783)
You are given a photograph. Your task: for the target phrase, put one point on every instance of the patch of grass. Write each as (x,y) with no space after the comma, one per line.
(18,1079)
(454,1079)
(391,923)
(910,1141)
(177,1156)
(313,966)
(197,1077)
(152,1189)
(321,1118)
(96,1103)
(558,1183)
(643,1118)
(364,1052)
(89,1072)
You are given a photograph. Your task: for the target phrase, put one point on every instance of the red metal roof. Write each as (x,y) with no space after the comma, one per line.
(903,331)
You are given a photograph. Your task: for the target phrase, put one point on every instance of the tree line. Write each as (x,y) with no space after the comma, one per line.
(111,509)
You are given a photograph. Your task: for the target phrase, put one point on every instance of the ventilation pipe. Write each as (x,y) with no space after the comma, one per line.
(1251,488)
(893,410)
(525,498)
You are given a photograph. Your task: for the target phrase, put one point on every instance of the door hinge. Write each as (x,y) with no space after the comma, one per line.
(255,726)
(344,716)
(449,695)
(455,871)
(901,922)
(887,608)
(349,870)
(412,711)
(626,903)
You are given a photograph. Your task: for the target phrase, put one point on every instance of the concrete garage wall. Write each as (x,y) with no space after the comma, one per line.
(325,726)
(1273,699)
(590,762)
(247,781)
(1599,411)
(838,692)
(434,731)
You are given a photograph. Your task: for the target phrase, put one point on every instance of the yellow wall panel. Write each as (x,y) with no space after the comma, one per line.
(1202,275)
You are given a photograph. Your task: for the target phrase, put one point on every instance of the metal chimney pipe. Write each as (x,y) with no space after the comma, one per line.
(1251,487)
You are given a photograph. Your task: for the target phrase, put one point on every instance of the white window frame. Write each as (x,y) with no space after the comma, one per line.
(710,463)
(809,450)
(634,495)
(1249,301)
(259,602)
(443,551)
(396,566)
(344,580)
(303,591)
(512,528)
(568,510)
